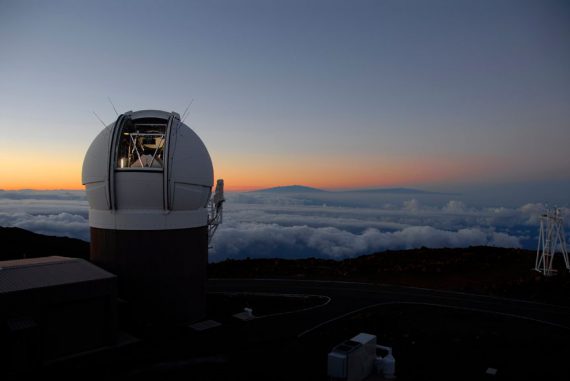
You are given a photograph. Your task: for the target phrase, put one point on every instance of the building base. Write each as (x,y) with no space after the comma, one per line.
(161,273)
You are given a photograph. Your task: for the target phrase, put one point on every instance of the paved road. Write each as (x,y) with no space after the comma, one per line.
(291,345)
(349,297)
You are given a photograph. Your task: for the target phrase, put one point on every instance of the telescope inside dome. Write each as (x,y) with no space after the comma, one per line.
(141,144)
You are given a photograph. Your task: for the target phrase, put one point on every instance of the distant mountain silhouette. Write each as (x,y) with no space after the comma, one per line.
(394,191)
(16,243)
(291,189)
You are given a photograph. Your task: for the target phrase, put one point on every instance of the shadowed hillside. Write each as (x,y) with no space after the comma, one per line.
(485,270)
(18,243)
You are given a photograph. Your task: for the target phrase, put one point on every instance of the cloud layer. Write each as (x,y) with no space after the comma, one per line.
(271,240)
(292,226)
(60,224)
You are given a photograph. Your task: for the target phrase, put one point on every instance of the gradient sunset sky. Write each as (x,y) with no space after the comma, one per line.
(331,94)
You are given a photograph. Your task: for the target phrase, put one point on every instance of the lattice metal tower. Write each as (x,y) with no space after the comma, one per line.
(551,240)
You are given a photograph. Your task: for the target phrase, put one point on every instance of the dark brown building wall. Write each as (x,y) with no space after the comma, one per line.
(161,273)
(51,308)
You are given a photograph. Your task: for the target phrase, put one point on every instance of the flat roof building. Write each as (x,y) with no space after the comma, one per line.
(53,307)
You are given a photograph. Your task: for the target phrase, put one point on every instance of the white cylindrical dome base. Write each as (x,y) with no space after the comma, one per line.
(147,219)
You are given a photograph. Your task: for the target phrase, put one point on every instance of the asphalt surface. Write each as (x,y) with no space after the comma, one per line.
(346,298)
(450,335)
(290,341)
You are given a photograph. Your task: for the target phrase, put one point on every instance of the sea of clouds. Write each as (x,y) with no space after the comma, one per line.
(328,225)
(60,213)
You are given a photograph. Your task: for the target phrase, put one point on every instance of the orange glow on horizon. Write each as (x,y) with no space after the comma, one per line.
(257,171)
(48,187)
(40,170)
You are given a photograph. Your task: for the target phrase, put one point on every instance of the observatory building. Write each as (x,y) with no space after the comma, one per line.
(148,179)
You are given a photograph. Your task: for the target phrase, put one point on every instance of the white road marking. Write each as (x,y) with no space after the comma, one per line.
(432,305)
(327,301)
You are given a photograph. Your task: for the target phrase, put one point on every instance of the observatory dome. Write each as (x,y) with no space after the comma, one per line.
(147,171)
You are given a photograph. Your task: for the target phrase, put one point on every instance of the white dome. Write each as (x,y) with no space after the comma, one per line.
(147,171)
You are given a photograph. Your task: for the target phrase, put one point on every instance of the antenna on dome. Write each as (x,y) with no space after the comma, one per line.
(550,239)
(185,114)
(100,120)
(111,102)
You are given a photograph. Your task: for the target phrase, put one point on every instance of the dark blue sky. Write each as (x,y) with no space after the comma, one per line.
(437,94)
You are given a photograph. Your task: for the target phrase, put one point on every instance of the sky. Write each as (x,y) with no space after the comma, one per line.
(442,95)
